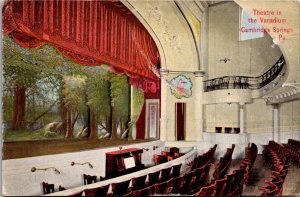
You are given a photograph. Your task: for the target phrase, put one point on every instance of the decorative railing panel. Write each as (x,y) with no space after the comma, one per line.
(245,82)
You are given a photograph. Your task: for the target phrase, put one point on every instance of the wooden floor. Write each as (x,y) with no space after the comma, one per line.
(13,150)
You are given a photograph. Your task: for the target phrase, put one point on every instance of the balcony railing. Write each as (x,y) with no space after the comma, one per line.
(245,82)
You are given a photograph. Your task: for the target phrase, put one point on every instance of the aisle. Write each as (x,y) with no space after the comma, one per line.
(260,172)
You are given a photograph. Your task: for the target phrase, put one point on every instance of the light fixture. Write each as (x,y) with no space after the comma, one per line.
(33,169)
(74,163)
(225,60)
(146,149)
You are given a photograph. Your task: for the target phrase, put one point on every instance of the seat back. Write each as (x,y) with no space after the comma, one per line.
(148,191)
(197,182)
(187,183)
(165,153)
(98,191)
(140,192)
(88,179)
(48,188)
(156,159)
(220,186)
(176,170)
(207,191)
(229,181)
(177,184)
(153,177)
(165,174)
(60,188)
(174,150)
(120,188)
(160,187)
(205,177)
(138,182)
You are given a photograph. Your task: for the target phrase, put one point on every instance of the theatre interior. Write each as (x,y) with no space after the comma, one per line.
(142,98)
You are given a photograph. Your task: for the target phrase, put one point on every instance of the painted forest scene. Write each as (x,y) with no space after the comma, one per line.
(47,96)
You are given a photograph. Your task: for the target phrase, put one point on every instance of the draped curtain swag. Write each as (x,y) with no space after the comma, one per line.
(89,33)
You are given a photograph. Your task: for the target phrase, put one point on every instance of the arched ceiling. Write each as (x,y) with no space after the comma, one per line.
(171,32)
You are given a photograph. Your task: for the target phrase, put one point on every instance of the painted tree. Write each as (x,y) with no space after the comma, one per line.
(99,101)
(79,88)
(20,73)
(24,69)
(120,103)
(74,100)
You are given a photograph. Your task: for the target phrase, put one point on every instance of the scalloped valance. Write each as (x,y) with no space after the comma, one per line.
(89,33)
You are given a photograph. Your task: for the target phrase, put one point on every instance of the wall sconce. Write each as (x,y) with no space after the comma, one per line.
(155,147)
(33,169)
(146,149)
(74,163)
(225,60)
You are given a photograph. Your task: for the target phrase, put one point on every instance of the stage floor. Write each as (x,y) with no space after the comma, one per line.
(13,150)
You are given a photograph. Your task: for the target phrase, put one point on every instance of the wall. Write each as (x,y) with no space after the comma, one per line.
(258,116)
(18,180)
(248,58)
(189,124)
(220,115)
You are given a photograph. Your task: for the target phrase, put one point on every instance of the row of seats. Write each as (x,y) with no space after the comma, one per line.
(156,180)
(87,179)
(251,154)
(162,182)
(224,164)
(167,156)
(273,153)
(293,149)
(275,156)
(204,159)
(49,188)
(183,185)
(178,185)
(231,184)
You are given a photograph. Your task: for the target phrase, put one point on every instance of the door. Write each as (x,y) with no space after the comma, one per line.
(180,121)
(152,118)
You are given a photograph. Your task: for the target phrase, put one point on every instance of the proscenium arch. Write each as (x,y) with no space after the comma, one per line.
(150,31)
(185,32)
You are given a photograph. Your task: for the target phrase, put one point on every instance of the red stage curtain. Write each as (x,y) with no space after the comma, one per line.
(89,33)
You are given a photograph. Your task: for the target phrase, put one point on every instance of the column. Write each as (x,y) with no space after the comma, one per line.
(275,122)
(242,117)
(164,104)
(198,105)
